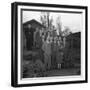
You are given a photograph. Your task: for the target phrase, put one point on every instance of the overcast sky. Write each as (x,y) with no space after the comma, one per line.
(73,21)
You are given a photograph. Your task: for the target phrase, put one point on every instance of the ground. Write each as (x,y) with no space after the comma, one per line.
(63,72)
(60,72)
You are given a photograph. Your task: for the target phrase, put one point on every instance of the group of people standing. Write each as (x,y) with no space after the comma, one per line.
(52,48)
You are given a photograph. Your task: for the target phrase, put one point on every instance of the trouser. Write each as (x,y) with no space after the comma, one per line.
(59,66)
(54,63)
(47,60)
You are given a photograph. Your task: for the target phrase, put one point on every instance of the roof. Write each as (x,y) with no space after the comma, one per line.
(33,21)
(74,35)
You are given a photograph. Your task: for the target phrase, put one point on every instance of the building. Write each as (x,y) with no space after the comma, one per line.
(29,29)
(73,49)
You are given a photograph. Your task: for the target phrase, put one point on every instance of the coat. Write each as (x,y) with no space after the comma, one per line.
(46,47)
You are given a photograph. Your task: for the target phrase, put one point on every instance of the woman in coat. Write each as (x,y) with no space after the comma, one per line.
(59,55)
(46,47)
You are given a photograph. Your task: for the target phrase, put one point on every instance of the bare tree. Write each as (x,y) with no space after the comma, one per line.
(66,31)
(59,25)
(51,23)
(45,18)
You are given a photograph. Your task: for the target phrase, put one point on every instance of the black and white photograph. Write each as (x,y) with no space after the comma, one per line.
(50,44)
